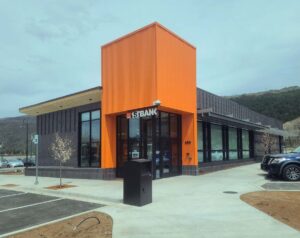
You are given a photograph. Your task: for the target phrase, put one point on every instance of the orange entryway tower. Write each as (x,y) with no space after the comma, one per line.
(140,69)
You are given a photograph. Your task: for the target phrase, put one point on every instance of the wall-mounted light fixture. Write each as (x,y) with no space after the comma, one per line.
(156,102)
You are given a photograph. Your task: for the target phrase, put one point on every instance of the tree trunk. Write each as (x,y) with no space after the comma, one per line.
(60,180)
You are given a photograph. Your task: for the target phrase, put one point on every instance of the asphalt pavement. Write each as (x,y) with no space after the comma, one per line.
(20,210)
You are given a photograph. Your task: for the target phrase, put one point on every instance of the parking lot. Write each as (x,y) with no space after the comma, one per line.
(19,210)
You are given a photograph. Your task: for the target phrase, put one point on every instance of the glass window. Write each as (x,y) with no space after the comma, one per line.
(85,132)
(95,154)
(200,156)
(164,119)
(84,155)
(246,154)
(134,128)
(216,143)
(232,143)
(95,130)
(200,141)
(200,136)
(156,138)
(245,138)
(134,149)
(232,134)
(96,115)
(173,126)
(90,139)
(216,137)
(245,143)
(85,116)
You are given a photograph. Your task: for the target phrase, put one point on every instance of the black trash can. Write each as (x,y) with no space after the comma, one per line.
(137,185)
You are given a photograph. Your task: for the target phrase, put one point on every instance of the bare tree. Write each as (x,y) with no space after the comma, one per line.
(268,141)
(61,149)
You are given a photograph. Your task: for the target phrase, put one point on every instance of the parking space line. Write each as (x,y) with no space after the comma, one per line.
(31,205)
(11,195)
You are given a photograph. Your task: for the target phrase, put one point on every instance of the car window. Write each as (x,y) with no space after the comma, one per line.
(297,150)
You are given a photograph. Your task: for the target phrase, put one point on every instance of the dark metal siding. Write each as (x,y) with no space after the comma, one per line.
(227,107)
(64,122)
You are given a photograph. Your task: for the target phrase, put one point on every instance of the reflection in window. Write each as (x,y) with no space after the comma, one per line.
(134,138)
(164,118)
(200,141)
(134,128)
(85,132)
(245,143)
(85,116)
(216,143)
(90,139)
(232,143)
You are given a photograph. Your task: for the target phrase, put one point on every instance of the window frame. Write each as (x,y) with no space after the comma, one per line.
(90,141)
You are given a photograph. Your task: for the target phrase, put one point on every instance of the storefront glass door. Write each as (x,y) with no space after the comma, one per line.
(157,138)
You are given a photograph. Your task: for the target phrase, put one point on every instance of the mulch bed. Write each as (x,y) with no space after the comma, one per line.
(10,185)
(282,205)
(58,187)
(72,228)
(12,172)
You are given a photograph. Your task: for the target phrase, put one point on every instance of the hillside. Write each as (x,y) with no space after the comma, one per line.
(283,104)
(13,134)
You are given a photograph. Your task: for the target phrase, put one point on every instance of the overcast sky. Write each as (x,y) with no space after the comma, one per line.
(52,48)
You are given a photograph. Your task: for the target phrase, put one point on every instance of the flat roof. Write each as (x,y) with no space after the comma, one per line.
(81,98)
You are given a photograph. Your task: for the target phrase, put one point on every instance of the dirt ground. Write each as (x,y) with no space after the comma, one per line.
(283,206)
(89,228)
(9,185)
(57,187)
(12,172)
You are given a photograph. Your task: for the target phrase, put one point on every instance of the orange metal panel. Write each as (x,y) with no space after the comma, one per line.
(176,86)
(176,72)
(108,141)
(128,72)
(189,139)
(149,64)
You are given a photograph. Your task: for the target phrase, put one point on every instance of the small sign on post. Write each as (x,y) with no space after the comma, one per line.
(35,140)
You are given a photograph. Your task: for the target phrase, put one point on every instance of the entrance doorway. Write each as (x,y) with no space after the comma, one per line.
(157,138)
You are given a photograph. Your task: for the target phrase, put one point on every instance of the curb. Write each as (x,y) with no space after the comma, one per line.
(67,194)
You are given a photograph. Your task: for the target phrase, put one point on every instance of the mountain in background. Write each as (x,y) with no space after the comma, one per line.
(13,134)
(282,104)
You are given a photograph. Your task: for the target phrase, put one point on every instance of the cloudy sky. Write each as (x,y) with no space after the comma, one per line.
(52,48)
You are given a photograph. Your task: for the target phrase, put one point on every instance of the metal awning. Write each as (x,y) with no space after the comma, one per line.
(213,117)
(274,131)
(230,121)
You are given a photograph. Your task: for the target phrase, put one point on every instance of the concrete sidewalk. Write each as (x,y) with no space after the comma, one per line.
(183,206)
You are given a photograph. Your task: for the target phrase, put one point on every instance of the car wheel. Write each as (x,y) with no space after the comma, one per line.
(291,172)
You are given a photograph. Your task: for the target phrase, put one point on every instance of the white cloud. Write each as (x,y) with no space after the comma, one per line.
(52,48)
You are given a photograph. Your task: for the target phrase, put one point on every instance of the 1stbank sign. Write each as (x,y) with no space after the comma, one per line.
(148,112)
